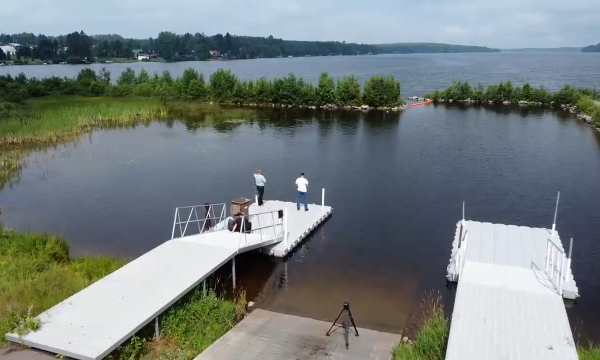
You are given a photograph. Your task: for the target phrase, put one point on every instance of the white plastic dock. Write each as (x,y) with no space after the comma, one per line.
(92,323)
(300,223)
(509,300)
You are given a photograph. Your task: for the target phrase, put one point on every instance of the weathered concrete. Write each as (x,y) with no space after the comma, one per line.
(266,335)
(13,352)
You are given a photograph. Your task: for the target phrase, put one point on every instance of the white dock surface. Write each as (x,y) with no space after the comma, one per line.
(92,323)
(506,307)
(300,223)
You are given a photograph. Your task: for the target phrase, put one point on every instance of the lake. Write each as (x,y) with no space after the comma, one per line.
(396,182)
(418,73)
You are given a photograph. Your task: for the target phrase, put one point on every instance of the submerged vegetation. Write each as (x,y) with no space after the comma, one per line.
(583,101)
(36,273)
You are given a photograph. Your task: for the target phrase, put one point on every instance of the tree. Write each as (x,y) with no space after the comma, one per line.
(201,52)
(222,84)
(24,51)
(167,42)
(325,93)
(2,55)
(382,91)
(117,48)
(348,91)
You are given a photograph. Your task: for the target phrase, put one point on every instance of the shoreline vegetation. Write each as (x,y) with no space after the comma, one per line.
(583,102)
(36,273)
(80,48)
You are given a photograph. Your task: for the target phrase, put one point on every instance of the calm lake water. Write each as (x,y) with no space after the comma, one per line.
(396,182)
(418,73)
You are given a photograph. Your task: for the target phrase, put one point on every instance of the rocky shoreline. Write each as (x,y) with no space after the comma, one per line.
(566,107)
(325,107)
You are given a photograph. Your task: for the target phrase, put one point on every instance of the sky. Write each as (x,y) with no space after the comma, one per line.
(493,23)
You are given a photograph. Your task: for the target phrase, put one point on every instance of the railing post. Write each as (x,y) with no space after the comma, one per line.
(547,255)
(463,218)
(174,222)
(233,272)
(256,199)
(285,227)
(323,199)
(555,215)
(568,271)
(204,288)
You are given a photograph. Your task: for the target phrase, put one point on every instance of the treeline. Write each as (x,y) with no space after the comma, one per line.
(222,87)
(410,48)
(591,48)
(78,47)
(581,100)
(507,92)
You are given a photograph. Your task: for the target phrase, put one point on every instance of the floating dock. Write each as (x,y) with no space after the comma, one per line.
(509,299)
(94,322)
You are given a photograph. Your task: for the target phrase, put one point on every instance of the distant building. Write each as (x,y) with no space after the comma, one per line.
(215,54)
(137,52)
(142,56)
(9,50)
(15,45)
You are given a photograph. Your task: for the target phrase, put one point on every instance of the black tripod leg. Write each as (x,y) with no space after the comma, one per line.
(352,320)
(334,321)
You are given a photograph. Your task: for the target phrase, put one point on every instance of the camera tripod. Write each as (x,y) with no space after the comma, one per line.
(346,307)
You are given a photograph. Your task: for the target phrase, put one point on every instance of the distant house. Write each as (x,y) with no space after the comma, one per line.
(9,49)
(143,56)
(215,54)
(137,52)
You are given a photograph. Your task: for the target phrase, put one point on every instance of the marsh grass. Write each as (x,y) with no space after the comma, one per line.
(432,338)
(62,118)
(588,351)
(37,273)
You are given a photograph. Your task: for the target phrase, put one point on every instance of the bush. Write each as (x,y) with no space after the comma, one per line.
(263,91)
(382,91)
(325,92)
(222,84)
(348,91)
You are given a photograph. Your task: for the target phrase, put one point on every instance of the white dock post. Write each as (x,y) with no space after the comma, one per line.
(568,272)
(233,271)
(463,219)
(156,329)
(285,227)
(256,199)
(323,199)
(555,214)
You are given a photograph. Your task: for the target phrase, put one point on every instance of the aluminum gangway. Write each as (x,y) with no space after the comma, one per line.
(509,299)
(95,321)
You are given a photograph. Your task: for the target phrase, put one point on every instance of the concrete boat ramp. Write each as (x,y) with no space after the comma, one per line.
(509,299)
(95,321)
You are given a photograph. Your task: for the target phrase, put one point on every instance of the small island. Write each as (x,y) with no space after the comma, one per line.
(591,48)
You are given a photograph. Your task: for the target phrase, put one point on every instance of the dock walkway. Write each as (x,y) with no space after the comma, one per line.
(95,321)
(509,300)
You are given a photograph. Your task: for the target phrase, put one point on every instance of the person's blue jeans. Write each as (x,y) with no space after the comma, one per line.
(302,196)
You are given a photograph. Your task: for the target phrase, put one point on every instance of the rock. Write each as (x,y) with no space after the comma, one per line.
(402,107)
(450,101)
(442,100)
(405,339)
(523,102)
(410,342)
(412,98)
(250,303)
(313,107)
(490,102)
(420,99)
(506,102)
(395,108)
(365,107)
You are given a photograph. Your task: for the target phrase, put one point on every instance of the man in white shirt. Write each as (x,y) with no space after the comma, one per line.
(260,181)
(302,184)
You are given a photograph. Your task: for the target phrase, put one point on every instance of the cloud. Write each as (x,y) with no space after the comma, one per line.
(502,24)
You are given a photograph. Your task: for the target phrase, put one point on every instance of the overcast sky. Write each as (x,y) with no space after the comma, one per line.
(494,23)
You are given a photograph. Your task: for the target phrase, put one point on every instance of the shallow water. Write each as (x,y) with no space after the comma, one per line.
(396,183)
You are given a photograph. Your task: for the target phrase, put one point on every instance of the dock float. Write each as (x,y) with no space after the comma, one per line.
(95,321)
(509,298)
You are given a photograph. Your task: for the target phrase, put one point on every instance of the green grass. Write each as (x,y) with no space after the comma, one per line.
(37,273)
(588,352)
(61,118)
(432,339)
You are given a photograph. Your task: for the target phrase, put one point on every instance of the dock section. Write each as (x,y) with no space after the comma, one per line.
(92,323)
(509,299)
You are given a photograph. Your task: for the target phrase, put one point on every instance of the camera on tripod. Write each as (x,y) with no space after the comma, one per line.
(346,308)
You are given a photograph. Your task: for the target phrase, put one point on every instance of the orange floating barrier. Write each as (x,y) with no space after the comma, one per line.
(421,103)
